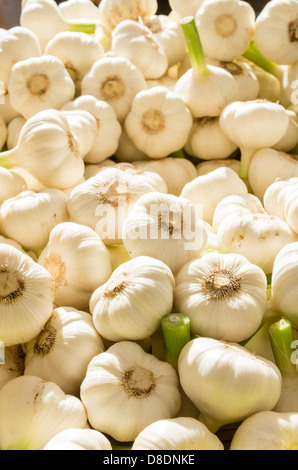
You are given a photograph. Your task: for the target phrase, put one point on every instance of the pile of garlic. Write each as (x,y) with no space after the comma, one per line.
(148,226)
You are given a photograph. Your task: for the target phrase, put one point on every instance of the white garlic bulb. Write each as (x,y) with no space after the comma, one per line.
(113,12)
(78,439)
(14,364)
(79,262)
(78,9)
(205,167)
(224,295)
(11,184)
(26,296)
(131,304)
(83,126)
(63,349)
(13,131)
(33,411)
(126,389)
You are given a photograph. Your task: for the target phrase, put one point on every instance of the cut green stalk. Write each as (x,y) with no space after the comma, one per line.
(176,333)
(87,28)
(254,55)
(178,154)
(194,47)
(282,340)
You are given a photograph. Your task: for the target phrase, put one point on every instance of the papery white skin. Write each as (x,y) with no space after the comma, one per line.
(16,44)
(224,295)
(113,12)
(13,365)
(11,184)
(288,85)
(290,139)
(78,51)
(206,191)
(79,439)
(26,297)
(83,127)
(259,343)
(92,170)
(210,165)
(126,389)
(226,382)
(183,8)
(158,122)
(177,434)
(78,9)
(131,304)
(226,28)
(270,86)
(40,411)
(134,41)
(78,261)
(157,180)
(166,81)
(10,241)
(115,80)
(267,430)
(63,349)
(274,196)
(108,129)
(104,201)
(269,164)
(175,171)
(273,36)
(39,212)
(166,227)
(13,132)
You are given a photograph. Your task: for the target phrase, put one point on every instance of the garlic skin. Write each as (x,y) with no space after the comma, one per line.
(8,113)
(11,184)
(126,389)
(16,44)
(13,132)
(267,430)
(63,349)
(39,212)
(224,295)
(165,227)
(15,244)
(79,262)
(26,296)
(274,196)
(207,191)
(159,122)
(113,12)
(38,84)
(177,434)
(40,411)
(108,128)
(78,9)
(134,41)
(78,52)
(290,139)
(131,304)
(210,165)
(226,382)
(104,201)
(276,31)
(83,126)
(14,364)
(182,8)
(115,80)
(78,439)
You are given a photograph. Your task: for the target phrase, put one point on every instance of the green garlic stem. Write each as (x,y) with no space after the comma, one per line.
(178,154)
(245,159)
(88,28)
(254,55)
(176,333)
(194,46)
(7,158)
(282,340)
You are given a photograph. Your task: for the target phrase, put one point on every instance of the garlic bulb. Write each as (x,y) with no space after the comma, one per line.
(13,132)
(48,150)
(126,389)
(269,164)
(269,85)
(280,199)
(16,44)
(26,296)
(288,96)
(224,295)
(114,80)
(83,126)
(169,35)
(108,129)
(78,9)
(290,139)
(78,52)
(165,227)
(134,41)
(210,165)
(183,8)
(104,201)
(175,171)
(113,12)
(177,434)
(276,31)
(38,84)
(250,231)
(11,184)
(10,241)
(226,28)
(158,122)
(226,382)
(79,262)
(78,439)
(8,113)
(205,192)
(39,212)
(40,410)
(131,304)
(14,364)
(267,430)
(92,170)
(63,349)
